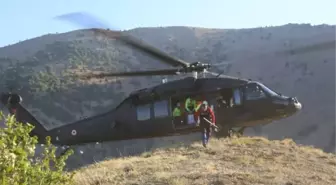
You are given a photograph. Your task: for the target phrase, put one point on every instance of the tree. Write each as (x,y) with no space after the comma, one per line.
(19,164)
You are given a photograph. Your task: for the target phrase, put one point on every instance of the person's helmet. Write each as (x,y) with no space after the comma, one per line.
(204,105)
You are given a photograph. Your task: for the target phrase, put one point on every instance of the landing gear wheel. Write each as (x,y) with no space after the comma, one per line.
(225,131)
(231,133)
(239,133)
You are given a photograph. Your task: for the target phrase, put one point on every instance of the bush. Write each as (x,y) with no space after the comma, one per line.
(18,163)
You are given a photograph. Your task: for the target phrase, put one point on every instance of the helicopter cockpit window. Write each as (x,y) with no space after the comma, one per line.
(143,112)
(254,92)
(268,90)
(161,109)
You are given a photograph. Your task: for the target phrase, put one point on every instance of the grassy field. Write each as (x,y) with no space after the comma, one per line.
(243,160)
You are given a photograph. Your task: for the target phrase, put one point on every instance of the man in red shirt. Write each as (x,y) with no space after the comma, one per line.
(205,112)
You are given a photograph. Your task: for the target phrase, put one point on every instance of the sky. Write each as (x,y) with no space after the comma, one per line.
(25,19)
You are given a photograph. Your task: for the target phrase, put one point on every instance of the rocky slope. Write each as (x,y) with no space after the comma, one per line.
(38,68)
(237,161)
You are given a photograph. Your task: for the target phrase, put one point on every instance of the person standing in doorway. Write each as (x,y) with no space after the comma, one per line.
(177,114)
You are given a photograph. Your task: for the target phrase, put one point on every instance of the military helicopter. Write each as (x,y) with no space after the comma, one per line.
(237,103)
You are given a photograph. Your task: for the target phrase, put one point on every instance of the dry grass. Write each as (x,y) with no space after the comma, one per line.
(226,161)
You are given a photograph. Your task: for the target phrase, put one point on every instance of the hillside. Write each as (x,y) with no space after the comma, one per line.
(238,161)
(38,68)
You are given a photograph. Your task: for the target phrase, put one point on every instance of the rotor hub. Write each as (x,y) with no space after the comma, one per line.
(198,67)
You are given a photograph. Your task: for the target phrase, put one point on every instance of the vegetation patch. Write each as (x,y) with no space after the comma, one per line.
(18,163)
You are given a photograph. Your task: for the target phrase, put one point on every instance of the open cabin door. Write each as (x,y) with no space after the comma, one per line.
(185,120)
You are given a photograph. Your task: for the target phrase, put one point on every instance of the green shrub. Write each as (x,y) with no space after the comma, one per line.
(18,163)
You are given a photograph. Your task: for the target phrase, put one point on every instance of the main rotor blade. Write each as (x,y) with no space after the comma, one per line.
(87,20)
(83,20)
(312,48)
(142,46)
(130,74)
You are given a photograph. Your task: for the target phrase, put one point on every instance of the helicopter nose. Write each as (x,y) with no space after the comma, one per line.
(298,106)
(294,103)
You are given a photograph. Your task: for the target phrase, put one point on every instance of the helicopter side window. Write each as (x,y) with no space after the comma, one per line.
(161,109)
(237,96)
(254,92)
(143,112)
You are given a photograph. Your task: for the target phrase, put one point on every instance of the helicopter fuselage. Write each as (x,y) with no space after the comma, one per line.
(248,104)
(148,112)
